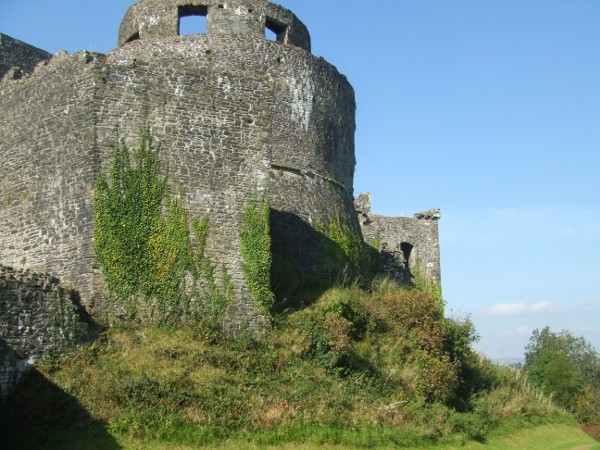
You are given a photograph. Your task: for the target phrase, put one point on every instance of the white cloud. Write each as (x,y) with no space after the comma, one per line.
(512,309)
(542,307)
(507,309)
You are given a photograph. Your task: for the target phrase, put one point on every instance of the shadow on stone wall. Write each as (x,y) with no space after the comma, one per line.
(40,415)
(297,277)
(303,267)
(395,268)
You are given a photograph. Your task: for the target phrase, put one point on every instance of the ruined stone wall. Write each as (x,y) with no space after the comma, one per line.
(312,142)
(19,56)
(160,19)
(238,117)
(308,125)
(406,244)
(37,318)
(48,149)
(207,107)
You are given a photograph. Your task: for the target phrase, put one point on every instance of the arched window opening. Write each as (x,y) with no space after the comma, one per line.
(192,19)
(134,37)
(275,31)
(407,249)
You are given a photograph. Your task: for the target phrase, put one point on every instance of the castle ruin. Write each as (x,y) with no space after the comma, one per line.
(238,116)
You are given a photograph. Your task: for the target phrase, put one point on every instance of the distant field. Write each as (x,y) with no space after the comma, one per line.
(546,437)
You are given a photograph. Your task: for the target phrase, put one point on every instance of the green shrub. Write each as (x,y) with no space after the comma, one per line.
(349,369)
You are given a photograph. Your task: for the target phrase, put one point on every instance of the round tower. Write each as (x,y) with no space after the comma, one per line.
(300,109)
(239,117)
(157,18)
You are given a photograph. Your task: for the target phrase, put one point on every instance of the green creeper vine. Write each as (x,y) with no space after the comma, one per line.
(373,256)
(142,240)
(66,327)
(255,239)
(128,217)
(341,246)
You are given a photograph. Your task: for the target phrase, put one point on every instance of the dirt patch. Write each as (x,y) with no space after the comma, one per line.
(593,431)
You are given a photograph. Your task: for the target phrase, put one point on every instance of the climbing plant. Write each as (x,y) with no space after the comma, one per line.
(255,240)
(128,217)
(342,247)
(142,240)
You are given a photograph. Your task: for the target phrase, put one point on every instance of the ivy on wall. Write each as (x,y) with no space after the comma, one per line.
(373,256)
(255,241)
(142,241)
(342,247)
(127,217)
(66,328)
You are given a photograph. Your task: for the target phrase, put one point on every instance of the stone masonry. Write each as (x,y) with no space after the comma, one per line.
(18,58)
(38,317)
(238,116)
(406,244)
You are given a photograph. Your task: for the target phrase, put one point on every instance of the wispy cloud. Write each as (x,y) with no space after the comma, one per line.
(506,309)
(542,307)
(513,309)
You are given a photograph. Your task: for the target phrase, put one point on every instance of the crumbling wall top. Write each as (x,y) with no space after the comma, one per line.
(432,214)
(19,56)
(161,18)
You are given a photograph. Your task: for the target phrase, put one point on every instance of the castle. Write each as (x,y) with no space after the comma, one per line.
(238,116)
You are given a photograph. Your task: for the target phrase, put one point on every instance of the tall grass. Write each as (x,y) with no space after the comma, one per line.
(356,368)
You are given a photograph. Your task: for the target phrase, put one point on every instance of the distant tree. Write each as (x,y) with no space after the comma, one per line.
(564,366)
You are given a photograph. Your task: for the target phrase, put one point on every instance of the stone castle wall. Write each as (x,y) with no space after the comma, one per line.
(407,245)
(48,147)
(237,116)
(37,318)
(160,19)
(19,57)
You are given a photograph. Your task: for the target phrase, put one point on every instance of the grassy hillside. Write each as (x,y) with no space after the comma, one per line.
(383,368)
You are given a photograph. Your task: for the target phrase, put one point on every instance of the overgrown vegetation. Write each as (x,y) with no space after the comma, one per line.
(372,367)
(67,330)
(142,241)
(255,242)
(345,256)
(357,368)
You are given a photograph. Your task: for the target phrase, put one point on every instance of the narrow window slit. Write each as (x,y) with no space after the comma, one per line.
(134,37)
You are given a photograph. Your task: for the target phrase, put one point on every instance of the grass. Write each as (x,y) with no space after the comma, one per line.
(380,369)
(545,437)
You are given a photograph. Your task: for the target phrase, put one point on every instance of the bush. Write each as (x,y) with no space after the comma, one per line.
(347,370)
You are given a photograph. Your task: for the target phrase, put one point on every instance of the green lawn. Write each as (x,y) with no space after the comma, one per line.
(546,437)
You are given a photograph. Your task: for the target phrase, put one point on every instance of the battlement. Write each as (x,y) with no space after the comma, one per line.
(152,19)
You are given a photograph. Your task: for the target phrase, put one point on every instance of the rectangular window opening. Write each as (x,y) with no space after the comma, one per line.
(275,31)
(192,19)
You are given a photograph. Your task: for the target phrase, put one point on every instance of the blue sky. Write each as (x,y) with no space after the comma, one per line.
(489,110)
